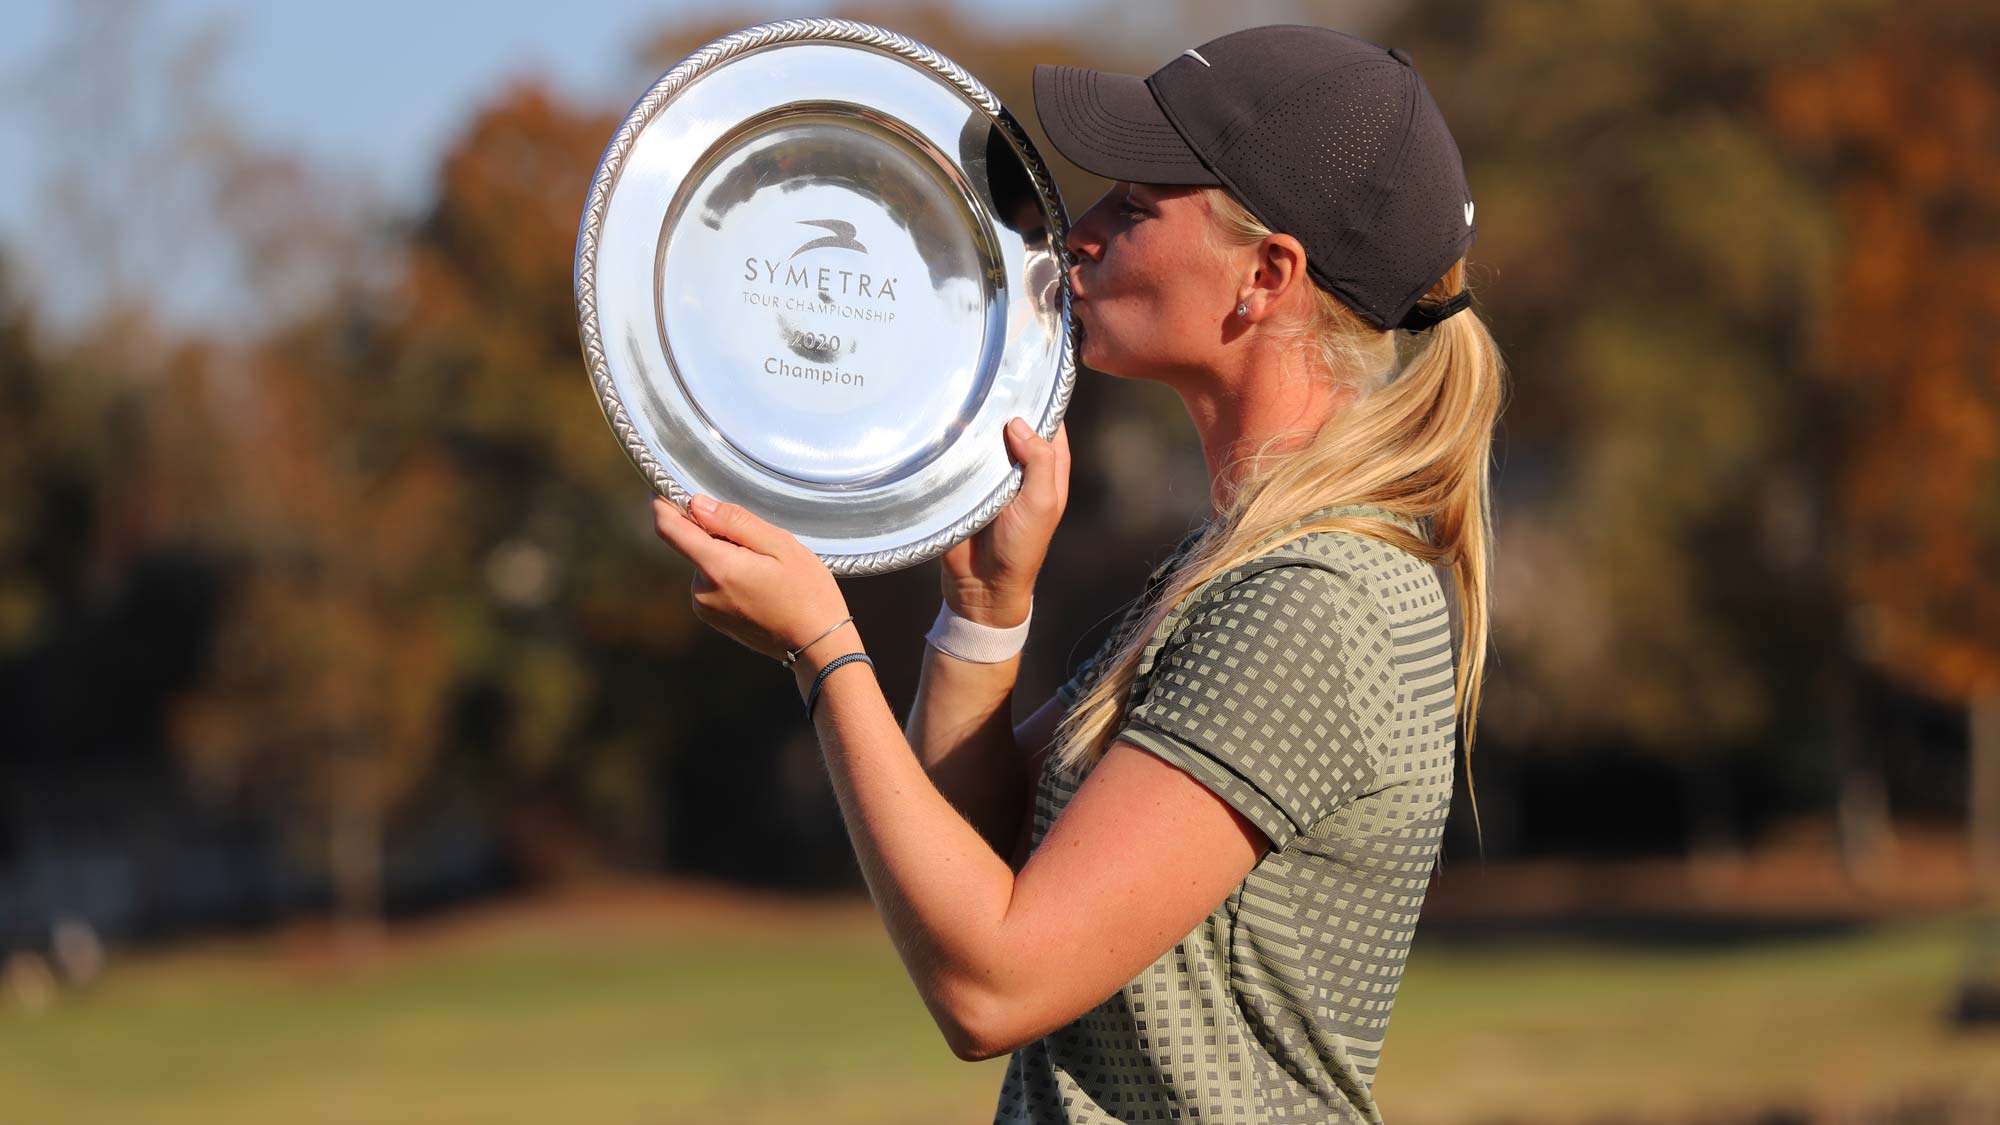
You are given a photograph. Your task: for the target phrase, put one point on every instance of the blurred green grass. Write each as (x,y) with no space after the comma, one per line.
(812,1019)
(1546,1032)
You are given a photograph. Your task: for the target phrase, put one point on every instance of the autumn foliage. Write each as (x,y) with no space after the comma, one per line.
(1744,262)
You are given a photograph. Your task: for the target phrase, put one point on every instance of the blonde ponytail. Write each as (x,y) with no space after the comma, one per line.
(1416,442)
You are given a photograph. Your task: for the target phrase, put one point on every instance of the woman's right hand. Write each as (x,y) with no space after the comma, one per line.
(990,578)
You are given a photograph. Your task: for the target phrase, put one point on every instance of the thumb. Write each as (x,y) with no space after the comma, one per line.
(738,525)
(1037,458)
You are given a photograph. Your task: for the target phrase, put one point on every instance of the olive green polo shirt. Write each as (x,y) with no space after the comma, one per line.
(1312,689)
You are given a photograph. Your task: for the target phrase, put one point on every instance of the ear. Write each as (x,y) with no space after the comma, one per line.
(1279,271)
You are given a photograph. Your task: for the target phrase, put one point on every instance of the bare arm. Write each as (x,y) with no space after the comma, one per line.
(1034,736)
(940,883)
(961,728)
(961,725)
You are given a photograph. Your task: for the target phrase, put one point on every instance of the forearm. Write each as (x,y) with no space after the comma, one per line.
(962,730)
(941,889)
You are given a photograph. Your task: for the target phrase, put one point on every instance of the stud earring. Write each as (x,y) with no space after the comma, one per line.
(1243,310)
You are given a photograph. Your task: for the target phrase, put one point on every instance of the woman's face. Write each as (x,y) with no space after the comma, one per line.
(1152,292)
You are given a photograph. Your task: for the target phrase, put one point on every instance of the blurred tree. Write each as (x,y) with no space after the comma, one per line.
(481,342)
(444,573)
(1906,126)
(1655,259)
(421,511)
(51,477)
(73,439)
(154,203)
(329,683)
(447,563)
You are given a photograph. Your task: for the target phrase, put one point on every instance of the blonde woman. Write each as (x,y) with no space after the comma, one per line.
(1183,888)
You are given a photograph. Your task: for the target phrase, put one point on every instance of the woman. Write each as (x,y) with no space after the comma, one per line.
(1217,849)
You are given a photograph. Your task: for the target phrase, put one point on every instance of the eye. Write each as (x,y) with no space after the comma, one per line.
(1127,207)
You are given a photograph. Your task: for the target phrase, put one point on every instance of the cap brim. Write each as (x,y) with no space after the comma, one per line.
(1109,124)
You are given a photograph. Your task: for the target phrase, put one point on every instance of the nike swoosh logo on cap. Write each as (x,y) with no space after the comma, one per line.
(1196,56)
(1468,214)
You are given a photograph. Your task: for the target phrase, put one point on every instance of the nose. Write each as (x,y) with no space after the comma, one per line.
(1080,244)
(1086,235)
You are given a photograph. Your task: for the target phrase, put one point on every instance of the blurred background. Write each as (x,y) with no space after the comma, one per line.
(360,758)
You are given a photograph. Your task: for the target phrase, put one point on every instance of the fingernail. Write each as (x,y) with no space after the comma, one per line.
(703,504)
(1018,427)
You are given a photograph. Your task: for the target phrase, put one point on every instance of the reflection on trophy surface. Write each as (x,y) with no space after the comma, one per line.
(819,269)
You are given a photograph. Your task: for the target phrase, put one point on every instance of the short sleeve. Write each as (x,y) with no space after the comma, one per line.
(1273,693)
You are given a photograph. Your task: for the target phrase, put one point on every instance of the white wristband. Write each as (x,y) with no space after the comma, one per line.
(979,644)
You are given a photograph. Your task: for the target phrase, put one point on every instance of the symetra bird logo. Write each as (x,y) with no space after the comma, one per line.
(1468,213)
(842,237)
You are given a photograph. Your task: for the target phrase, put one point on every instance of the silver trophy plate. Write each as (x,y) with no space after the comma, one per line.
(819,269)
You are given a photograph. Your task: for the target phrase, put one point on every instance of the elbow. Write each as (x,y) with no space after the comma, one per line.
(981,1054)
(972,1047)
(979,1025)
(978,1047)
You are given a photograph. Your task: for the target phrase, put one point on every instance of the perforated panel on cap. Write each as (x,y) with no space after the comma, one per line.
(1427,208)
(1320,176)
(1337,142)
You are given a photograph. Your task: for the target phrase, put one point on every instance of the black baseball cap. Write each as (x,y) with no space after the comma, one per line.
(1322,135)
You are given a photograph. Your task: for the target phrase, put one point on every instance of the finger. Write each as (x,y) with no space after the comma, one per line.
(738,524)
(1016,438)
(1037,464)
(686,536)
(1062,464)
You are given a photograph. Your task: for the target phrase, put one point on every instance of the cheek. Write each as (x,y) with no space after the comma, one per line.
(1137,332)
(1129,296)
(1145,307)
(1161,318)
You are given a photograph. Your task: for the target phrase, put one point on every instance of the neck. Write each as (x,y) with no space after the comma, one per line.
(1238,409)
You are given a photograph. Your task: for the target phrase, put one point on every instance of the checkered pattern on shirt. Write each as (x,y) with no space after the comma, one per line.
(1311,689)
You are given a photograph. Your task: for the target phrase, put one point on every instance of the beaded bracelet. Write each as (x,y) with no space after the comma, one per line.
(812,697)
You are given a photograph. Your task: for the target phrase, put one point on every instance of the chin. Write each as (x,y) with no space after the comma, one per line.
(1089,354)
(1111,365)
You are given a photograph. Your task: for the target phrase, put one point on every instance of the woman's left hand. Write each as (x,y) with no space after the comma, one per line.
(753,581)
